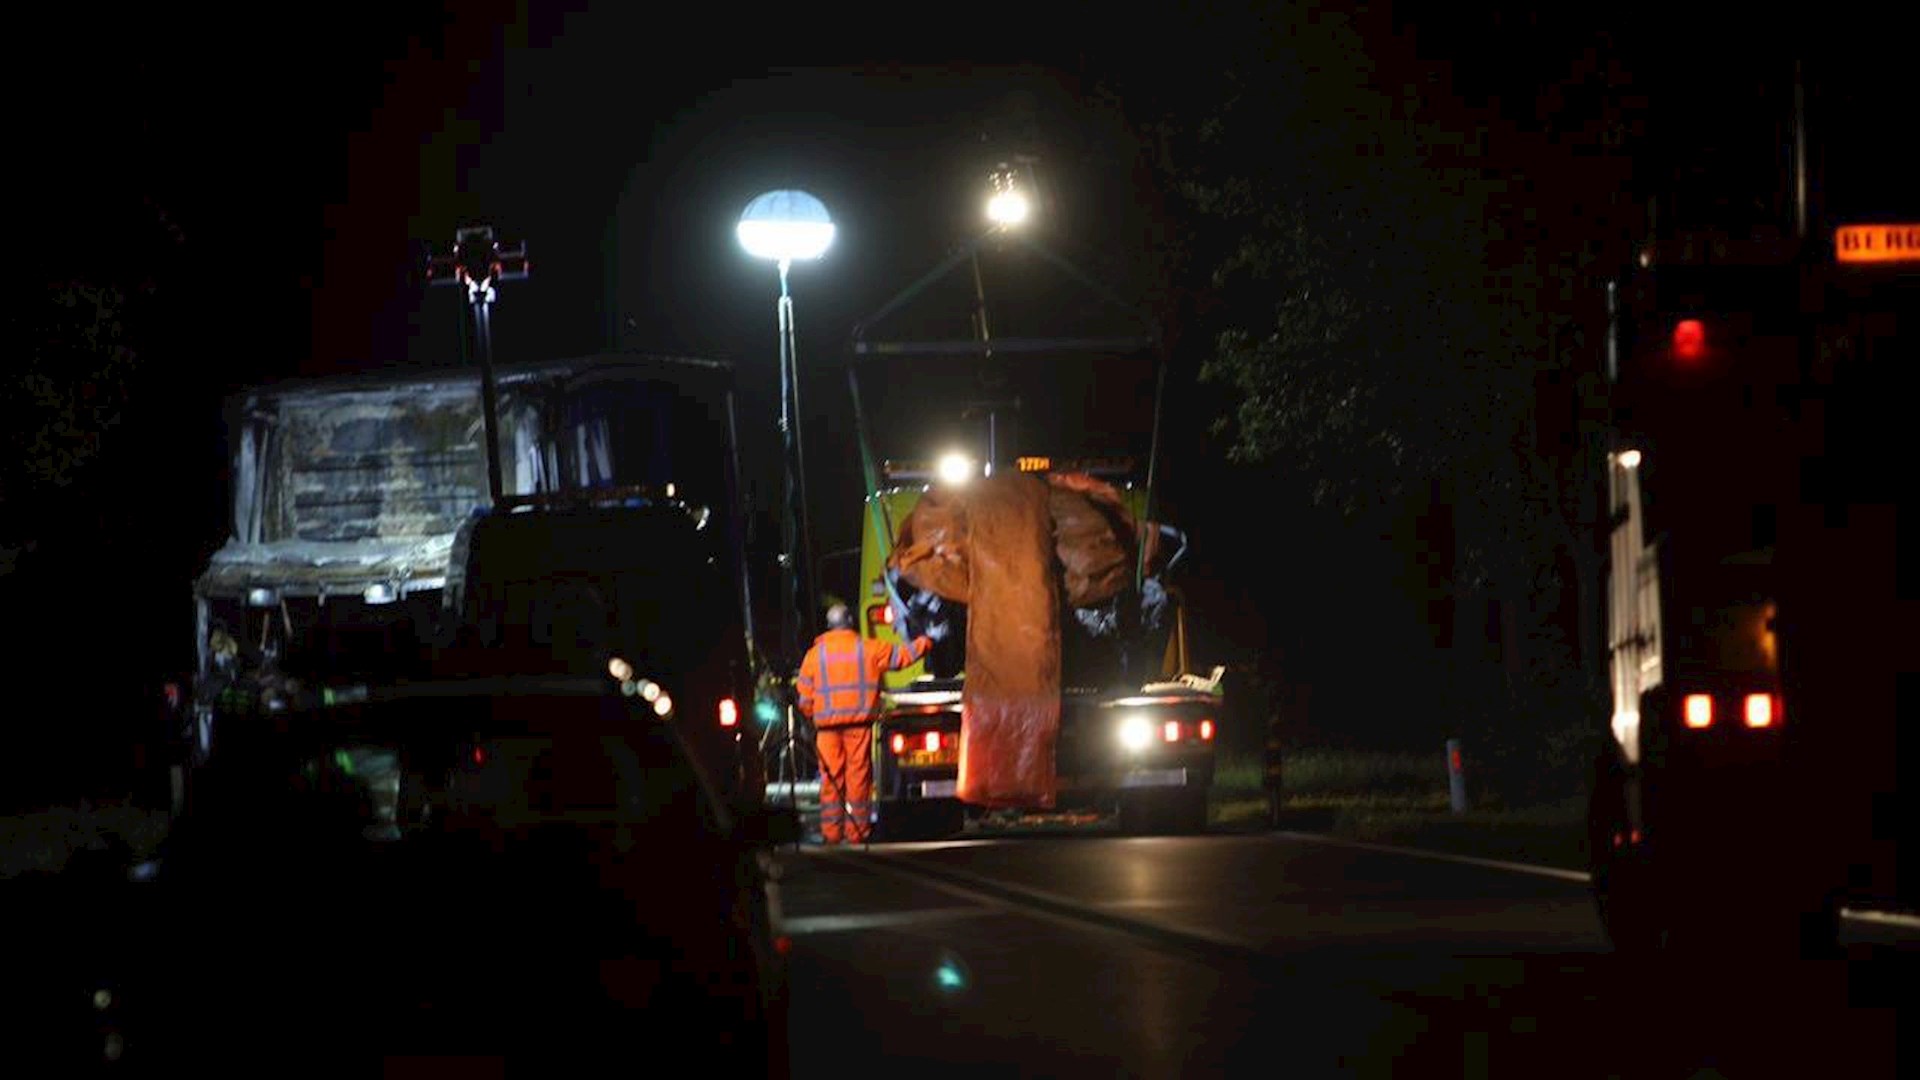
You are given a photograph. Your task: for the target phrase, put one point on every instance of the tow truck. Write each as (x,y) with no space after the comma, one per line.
(1137,728)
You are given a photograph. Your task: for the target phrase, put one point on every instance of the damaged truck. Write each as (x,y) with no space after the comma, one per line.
(365,547)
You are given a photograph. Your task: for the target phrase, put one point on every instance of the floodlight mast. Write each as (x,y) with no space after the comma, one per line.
(478,261)
(1007,208)
(799,540)
(782,226)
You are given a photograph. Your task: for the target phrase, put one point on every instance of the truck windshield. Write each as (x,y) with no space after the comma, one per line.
(632,433)
(346,467)
(350,465)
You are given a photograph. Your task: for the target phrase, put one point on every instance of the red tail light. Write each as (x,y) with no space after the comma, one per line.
(1699,711)
(479,755)
(933,740)
(1206,729)
(1170,731)
(1689,340)
(899,744)
(1762,710)
(729,712)
(880,615)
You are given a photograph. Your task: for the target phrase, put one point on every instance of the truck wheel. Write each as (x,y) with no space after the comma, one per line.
(921,819)
(1628,916)
(1187,812)
(1629,912)
(948,818)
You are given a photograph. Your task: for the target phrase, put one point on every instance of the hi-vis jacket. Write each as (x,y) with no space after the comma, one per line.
(839,681)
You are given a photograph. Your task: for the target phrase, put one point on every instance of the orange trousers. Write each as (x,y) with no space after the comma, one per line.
(846,782)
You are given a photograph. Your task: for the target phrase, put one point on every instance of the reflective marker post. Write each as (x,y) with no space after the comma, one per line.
(1456,778)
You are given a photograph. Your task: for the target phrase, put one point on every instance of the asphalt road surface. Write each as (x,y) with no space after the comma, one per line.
(1277,955)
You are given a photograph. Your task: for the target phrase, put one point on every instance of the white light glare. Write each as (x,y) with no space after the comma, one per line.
(785,225)
(781,240)
(662,705)
(1629,459)
(619,669)
(1136,732)
(956,469)
(1007,208)
(1626,732)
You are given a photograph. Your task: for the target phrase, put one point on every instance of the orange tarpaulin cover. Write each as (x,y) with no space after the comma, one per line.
(1011,548)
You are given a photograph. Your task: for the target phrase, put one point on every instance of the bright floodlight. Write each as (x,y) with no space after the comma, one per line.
(785,225)
(1007,208)
(956,469)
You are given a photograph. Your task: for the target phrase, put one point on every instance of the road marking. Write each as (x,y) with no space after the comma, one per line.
(1037,903)
(932,845)
(1898,919)
(879,920)
(1495,864)
(1884,918)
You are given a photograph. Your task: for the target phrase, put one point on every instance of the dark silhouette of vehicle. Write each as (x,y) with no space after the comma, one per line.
(579,891)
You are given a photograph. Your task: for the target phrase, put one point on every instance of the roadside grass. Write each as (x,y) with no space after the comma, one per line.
(1396,799)
(1552,835)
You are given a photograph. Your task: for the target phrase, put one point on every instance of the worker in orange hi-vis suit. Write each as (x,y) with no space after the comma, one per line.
(839,689)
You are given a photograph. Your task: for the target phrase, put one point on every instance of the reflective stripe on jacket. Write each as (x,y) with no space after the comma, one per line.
(839,679)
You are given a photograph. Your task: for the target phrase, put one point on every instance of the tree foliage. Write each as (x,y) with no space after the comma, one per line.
(1392,267)
(1396,240)
(81,333)
(67,386)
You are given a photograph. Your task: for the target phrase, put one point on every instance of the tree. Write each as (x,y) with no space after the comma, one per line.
(80,339)
(1395,251)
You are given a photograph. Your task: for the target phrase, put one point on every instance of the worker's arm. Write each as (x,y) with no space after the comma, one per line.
(901,656)
(806,691)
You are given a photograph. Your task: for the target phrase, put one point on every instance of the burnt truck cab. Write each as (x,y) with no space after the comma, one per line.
(366,549)
(1137,728)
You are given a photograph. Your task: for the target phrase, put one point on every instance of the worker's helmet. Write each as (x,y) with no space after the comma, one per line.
(839,618)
